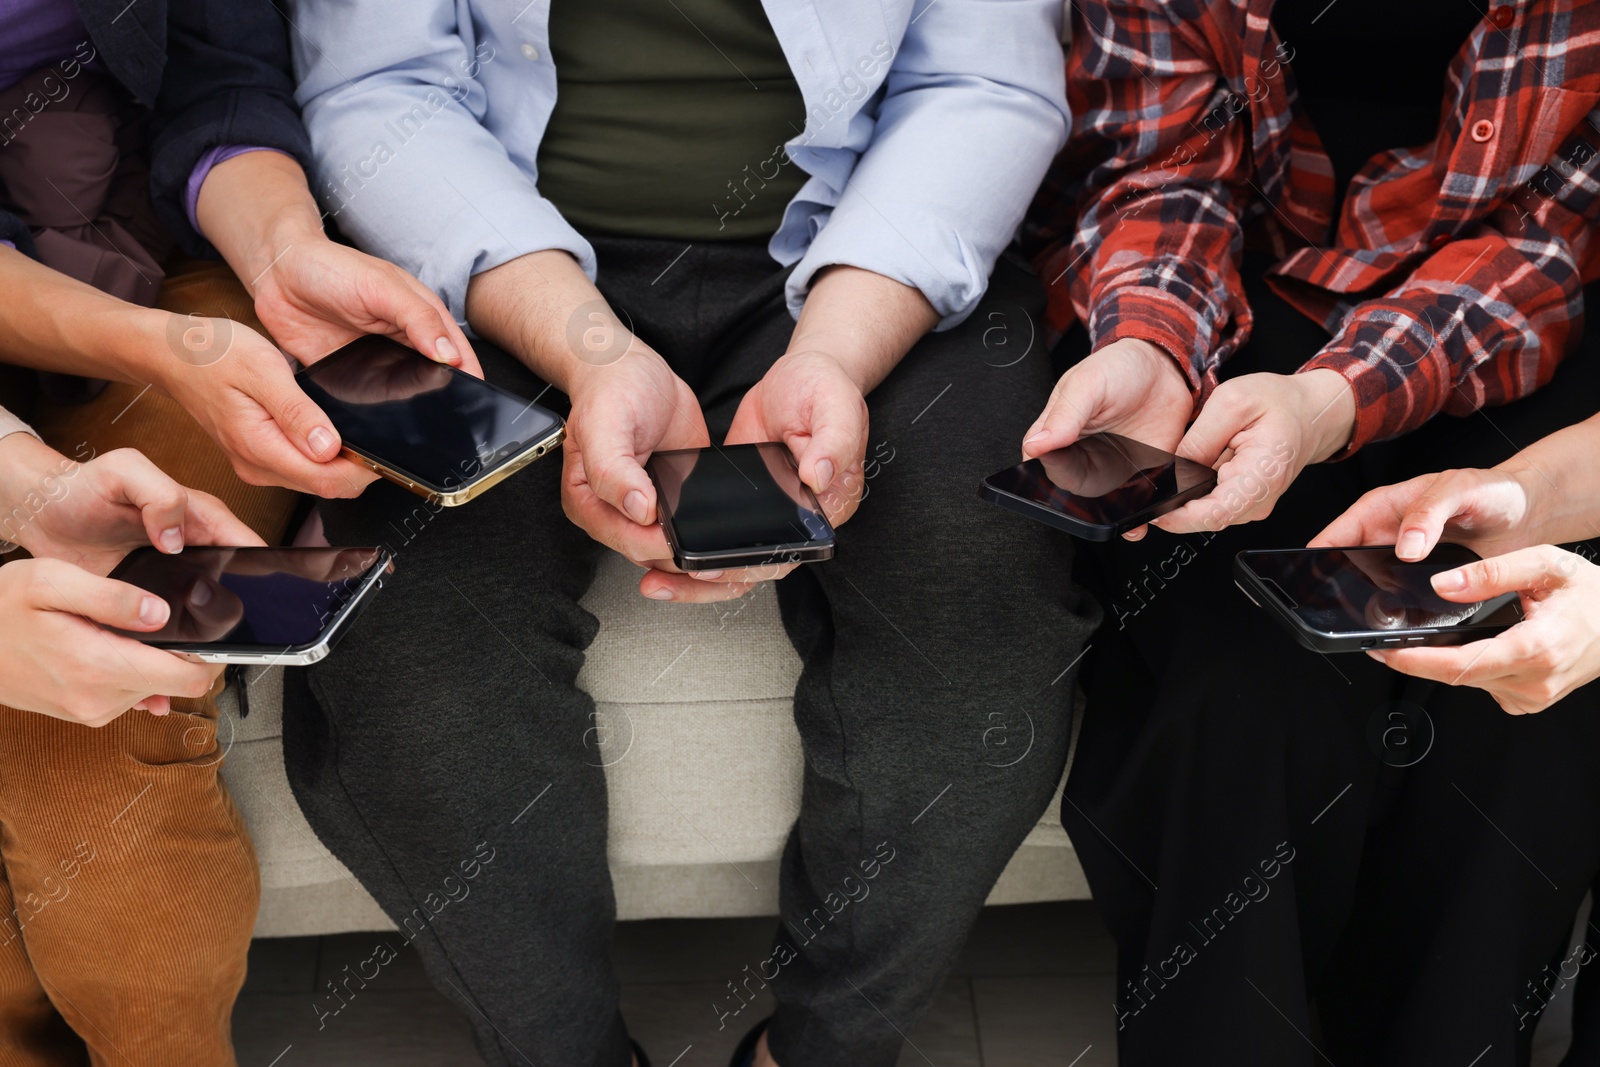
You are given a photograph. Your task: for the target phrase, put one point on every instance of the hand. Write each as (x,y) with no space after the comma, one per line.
(92,514)
(810,403)
(60,663)
(1129,387)
(623,412)
(317,296)
(1554,650)
(246,398)
(1487,510)
(1260,431)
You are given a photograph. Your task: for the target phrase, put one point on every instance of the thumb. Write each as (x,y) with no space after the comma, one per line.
(614,472)
(1424,520)
(421,317)
(1540,567)
(301,420)
(1075,398)
(162,502)
(114,604)
(1211,433)
(835,442)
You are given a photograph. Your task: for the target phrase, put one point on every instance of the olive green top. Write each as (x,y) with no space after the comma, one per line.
(670,119)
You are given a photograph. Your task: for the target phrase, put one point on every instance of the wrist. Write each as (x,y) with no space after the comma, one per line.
(1329,406)
(1542,514)
(28,469)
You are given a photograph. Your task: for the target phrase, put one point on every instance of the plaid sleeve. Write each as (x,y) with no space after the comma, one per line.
(1486,319)
(1137,231)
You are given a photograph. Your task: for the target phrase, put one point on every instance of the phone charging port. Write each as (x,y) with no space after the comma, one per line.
(1369,642)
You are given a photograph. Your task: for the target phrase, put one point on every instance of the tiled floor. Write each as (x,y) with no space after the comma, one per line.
(1033,988)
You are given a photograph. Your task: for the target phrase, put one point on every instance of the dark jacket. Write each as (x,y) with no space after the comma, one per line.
(212,72)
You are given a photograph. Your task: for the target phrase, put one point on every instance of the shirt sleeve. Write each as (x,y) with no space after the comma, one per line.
(451,203)
(1137,232)
(226,82)
(1486,319)
(202,170)
(974,110)
(10,424)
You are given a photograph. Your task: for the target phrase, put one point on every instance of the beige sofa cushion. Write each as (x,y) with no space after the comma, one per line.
(696,733)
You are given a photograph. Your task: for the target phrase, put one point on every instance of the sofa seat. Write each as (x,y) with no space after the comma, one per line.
(695,731)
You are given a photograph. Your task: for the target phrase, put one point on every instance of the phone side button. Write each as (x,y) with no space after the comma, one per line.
(1417,640)
(1369,642)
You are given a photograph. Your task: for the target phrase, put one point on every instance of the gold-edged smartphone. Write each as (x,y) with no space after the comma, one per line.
(437,431)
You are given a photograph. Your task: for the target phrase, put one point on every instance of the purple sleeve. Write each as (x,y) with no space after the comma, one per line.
(197,177)
(8,244)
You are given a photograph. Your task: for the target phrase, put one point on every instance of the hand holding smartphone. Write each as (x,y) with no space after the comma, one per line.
(437,431)
(268,606)
(1099,486)
(737,506)
(1354,599)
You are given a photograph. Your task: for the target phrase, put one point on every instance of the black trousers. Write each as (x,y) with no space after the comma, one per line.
(453,704)
(1308,858)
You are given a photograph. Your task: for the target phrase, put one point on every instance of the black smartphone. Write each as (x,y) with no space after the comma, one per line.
(737,506)
(1099,486)
(268,606)
(1350,599)
(438,431)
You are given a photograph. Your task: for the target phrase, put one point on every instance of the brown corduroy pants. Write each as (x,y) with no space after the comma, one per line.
(128,884)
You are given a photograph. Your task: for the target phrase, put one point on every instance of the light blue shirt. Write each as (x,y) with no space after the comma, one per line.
(930,124)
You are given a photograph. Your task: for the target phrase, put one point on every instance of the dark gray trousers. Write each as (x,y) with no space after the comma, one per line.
(943,628)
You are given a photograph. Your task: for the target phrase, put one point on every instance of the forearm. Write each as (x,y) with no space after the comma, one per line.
(1562,483)
(52,322)
(254,207)
(544,310)
(865,321)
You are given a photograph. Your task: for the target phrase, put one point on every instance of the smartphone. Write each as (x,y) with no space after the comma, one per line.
(437,431)
(267,606)
(1099,486)
(1350,599)
(737,506)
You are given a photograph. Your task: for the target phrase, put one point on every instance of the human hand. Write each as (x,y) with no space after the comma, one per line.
(1552,651)
(242,392)
(1260,431)
(319,295)
(92,514)
(1487,510)
(1129,387)
(622,412)
(60,663)
(810,403)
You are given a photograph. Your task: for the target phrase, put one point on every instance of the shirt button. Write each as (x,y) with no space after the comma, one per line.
(530,52)
(1482,130)
(1439,241)
(1502,16)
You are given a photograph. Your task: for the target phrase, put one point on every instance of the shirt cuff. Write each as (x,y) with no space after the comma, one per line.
(197,177)
(1165,321)
(1385,406)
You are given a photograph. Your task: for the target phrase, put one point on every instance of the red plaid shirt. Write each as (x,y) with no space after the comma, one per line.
(1454,278)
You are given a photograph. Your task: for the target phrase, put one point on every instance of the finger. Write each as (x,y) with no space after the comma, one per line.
(74,591)
(155,672)
(1213,431)
(162,502)
(613,472)
(1422,523)
(209,522)
(1374,519)
(1472,664)
(421,317)
(270,459)
(1077,395)
(301,420)
(838,438)
(1539,568)
(683,589)
(155,705)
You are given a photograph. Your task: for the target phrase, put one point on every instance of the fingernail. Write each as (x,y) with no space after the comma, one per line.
(637,507)
(153,611)
(1411,545)
(1450,581)
(200,595)
(1040,436)
(659,594)
(824,474)
(320,440)
(707,576)
(445,352)
(1381,657)
(172,539)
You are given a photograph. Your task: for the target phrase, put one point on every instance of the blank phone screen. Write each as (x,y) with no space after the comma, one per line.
(1102,480)
(736,497)
(1352,590)
(271,597)
(439,425)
